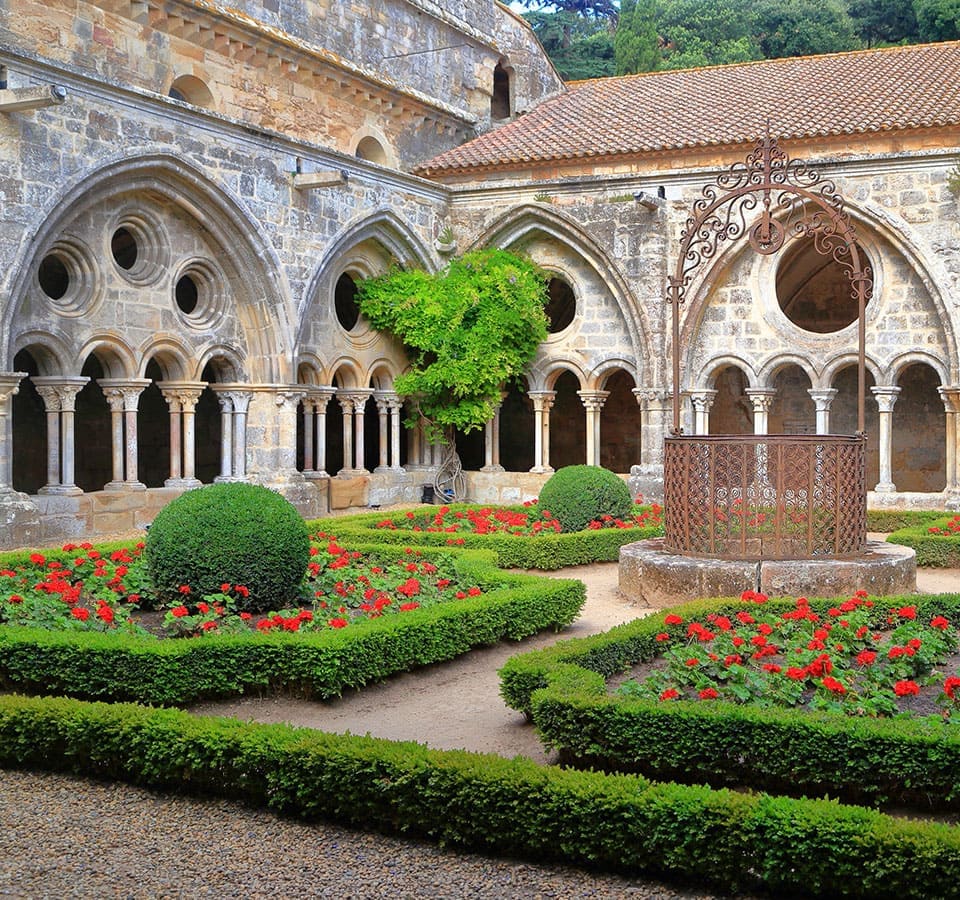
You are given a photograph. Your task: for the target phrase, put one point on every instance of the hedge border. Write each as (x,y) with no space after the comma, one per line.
(933,550)
(546,551)
(563,690)
(100,666)
(486,803)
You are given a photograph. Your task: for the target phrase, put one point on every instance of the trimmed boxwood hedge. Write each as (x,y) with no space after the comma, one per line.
(933,550)
(545,551)
(485,803)
(95,665)
(563,689)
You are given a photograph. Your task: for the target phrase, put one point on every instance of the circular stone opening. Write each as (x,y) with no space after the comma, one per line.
(562,305)
(345,302)
(53,276)
(123,246)
(814,290)
(187,295)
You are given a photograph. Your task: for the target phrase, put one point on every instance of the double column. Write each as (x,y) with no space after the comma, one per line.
(314,406)
(234,405)
(593,402)
(353,402)
(542,404)
(886,397)
(9,385)
(182,397)
(389,405)
(59,394)
(123,397)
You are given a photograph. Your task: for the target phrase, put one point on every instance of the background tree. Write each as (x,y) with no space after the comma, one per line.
(804,27)
(636,44)
(468,331)
(579,47)
(707,32)
(938,20)
(884,21)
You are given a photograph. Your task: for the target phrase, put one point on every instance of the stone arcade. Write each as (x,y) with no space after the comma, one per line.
(190,193)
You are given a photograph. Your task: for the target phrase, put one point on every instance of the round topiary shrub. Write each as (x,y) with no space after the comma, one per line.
(233,533)
(576,495)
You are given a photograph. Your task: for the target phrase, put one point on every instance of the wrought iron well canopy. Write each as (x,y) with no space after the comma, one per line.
(767,496)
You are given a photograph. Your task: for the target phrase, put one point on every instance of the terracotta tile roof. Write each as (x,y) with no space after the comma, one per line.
(814,96)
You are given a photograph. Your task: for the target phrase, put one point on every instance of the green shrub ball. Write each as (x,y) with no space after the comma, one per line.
(239,534)
(576,495)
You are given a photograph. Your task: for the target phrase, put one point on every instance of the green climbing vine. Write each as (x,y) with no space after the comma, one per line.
(468,330)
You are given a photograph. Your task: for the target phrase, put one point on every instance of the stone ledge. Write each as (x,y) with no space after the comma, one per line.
(649,576)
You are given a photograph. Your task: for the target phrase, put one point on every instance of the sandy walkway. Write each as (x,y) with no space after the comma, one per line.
(457,704)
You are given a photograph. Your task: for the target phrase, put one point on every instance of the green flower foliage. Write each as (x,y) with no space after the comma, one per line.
(229,533)
(468,330)
(577,495)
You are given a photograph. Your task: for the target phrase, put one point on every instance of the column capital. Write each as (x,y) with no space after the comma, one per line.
(59,392)
(950,395)
(761,398)
(237,394)
(542,400)
(387,400)
(822,397)
(318,396)
(355,397)
(652,396)
(186,393)
(123,391)
(593,399)
(10,385)
(886,396)
(702,399)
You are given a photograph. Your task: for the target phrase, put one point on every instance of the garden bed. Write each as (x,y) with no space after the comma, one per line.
(564,690)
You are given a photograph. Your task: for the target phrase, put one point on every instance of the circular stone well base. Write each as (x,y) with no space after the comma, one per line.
(649,576)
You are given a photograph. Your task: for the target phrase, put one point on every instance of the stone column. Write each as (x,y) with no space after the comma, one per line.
(182,397)
(346,407)
(762,400)
(593,402)
(383,400)
(321,397)
(123,396)
(542,404)
(655,412)
(886,397)
(702,401)
(951,406)
(59,398)
(226,435)
(9,385)
(352,402)
(823,399)
(395,404)
(491,443)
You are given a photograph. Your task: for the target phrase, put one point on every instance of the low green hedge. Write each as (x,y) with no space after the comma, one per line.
(563,689)
(933,550)
(545,551)
(887,520)
(125,667)
(486,803)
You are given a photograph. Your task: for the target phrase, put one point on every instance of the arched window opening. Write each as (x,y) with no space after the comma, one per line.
(345,302)
(123,246)
(620,425)
(731,411)
(153,431)
(29,430)
(562,305)
(371,150)
(814,290)
(793,410)
(190,89)
(53,276)
(568,424)
(918,460)
(500,106)
(94,452)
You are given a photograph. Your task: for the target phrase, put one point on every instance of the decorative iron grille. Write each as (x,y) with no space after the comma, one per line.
(765,496)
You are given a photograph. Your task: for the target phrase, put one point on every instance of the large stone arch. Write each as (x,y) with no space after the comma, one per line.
(527,225)
(255,290)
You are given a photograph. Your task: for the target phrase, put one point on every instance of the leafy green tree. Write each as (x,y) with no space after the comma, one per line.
(938,20)
(597,9)
(468,331)
(578,47)
(884,21)
(804,27)
(636,45)
(707,32)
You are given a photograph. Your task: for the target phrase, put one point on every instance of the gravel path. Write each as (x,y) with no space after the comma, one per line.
(68,837)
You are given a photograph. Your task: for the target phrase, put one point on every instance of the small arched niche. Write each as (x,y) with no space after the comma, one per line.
(372,150)
(190,89)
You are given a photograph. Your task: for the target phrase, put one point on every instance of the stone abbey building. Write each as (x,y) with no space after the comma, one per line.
(190,193)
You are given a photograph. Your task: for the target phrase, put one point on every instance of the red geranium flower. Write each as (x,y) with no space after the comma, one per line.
(906,688)
(670,694)
(709,694)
